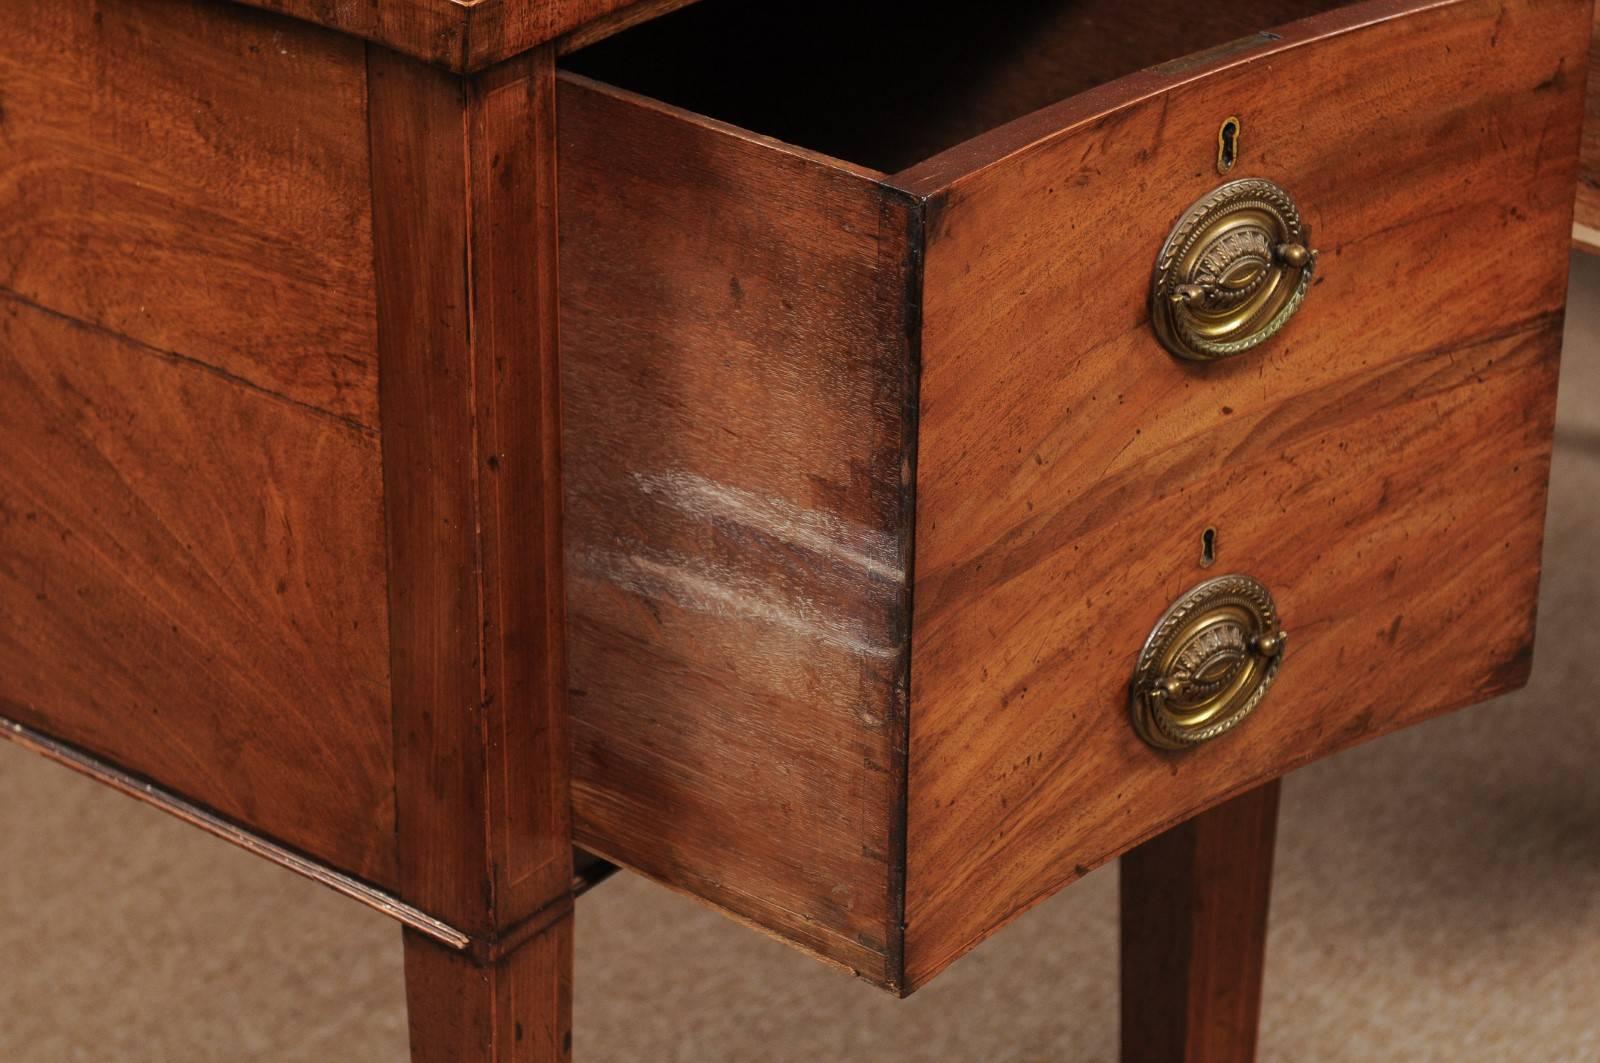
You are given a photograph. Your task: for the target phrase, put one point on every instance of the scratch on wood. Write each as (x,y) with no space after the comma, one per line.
(696,584)
(873,552)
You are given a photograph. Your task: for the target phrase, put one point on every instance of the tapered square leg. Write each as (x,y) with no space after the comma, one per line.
(1194,928)
(517,1009)
(469,397)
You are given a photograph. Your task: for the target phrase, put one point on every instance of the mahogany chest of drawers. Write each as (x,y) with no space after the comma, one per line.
(860,471)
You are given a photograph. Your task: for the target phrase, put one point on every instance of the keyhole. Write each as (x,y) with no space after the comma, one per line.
(1208,548)
(1227,145)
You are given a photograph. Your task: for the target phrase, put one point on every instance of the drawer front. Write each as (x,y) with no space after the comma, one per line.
(1379,465)
(778,365)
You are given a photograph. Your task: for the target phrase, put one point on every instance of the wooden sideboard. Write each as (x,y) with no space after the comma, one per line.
(441,434)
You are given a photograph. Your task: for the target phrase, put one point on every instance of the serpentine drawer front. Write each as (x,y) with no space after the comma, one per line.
(915,403)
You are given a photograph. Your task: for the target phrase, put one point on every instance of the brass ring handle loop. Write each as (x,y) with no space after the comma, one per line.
(1207,664)
(1233,271)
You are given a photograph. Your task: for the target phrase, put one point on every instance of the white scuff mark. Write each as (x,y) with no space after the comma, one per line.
(693,584)
(872,551)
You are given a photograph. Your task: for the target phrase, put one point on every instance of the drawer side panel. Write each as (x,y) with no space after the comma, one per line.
(734,390)
(1380,465)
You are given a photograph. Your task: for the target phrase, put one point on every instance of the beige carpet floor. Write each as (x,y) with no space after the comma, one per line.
(1438,898)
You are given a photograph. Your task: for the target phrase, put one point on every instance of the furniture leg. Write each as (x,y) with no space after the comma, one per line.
(1194,927)
(514,1009)
(469,397)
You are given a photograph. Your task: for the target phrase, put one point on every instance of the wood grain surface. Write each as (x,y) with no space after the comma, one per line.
(467,36)
(229,643)
(1586,218)
(200,459)
(464,200)
(745,322)
(514,1010)
(464,194)
(1381,466)
(194,176)
(736,384)
(1194,934)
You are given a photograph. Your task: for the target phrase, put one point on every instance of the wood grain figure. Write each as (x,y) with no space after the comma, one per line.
(782,513)
(211,200)
(470,427)
(464,197)
(735,460)
(1061,465)
(231,644)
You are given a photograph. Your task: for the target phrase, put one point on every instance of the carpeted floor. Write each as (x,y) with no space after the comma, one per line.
(1438,898)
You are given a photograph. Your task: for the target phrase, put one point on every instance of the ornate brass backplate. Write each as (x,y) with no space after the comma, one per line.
(1234,270)
(1207,664)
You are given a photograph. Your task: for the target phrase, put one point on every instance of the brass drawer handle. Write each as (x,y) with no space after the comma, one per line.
(1208,663)
(1233,271)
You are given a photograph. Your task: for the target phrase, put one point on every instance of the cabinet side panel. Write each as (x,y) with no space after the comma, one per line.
(1380,465)
(194,176)
(191,586)
(734,382)
(191,529)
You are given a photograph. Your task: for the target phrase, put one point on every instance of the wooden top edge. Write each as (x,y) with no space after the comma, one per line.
(947,168)
(467,36)
(650,103)
(617,21)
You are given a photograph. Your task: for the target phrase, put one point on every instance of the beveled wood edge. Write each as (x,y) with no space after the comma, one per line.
(434,31)
(220,827)
(905,314)
(589,870)
(939,173)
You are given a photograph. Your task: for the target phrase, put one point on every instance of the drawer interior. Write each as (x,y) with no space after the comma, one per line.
(898,89)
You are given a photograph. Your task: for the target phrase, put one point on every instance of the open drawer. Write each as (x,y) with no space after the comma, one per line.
(880,470)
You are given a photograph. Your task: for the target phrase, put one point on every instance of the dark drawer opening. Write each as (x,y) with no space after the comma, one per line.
(884,85)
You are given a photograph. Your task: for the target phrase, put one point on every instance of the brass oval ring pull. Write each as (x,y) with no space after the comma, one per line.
(1207,664)
(1232,272)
